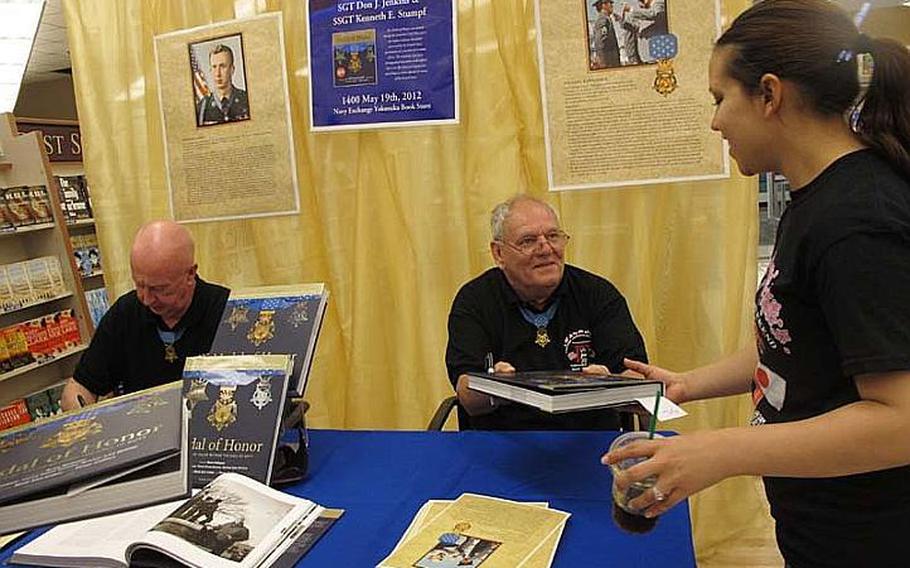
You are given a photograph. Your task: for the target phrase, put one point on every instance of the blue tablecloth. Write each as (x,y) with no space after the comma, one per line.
(382,478)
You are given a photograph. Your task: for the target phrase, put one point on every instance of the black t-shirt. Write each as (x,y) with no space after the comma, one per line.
(835,303)
(127,354)
(591,325)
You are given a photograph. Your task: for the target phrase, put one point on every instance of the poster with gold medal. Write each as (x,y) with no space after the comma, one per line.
(624,90)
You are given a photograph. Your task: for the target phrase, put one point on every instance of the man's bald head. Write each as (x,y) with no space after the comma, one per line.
(164,269)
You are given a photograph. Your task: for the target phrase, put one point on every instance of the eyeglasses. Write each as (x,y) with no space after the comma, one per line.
(530,244)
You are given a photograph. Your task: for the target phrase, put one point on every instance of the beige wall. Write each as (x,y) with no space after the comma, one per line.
(47,99)
(893,22)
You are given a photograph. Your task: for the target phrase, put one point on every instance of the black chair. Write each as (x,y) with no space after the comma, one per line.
(631,416)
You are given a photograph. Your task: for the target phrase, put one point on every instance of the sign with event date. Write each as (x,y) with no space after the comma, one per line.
(382,63)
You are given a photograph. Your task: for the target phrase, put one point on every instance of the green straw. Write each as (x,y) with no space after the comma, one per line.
(653,423)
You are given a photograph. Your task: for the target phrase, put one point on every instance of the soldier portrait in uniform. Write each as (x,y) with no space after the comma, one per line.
(219,81)
(619,32)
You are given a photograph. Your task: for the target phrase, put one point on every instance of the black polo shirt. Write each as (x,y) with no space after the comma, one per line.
(127,354)
(592,325)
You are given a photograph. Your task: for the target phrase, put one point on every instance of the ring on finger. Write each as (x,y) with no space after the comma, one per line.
(658,494)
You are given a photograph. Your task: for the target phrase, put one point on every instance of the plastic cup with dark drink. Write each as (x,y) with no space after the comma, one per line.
(626,516)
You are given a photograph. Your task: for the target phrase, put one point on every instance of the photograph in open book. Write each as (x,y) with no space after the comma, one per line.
(226,520)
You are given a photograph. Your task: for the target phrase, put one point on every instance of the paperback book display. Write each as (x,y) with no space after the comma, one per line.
(86,253)
(35,407)
(234,522)
(29,282)
(236,404)
(74,198)
(478,530)
(119,454)
(274,319)
(21,206)
(98,304)
(38,340)
(564,391)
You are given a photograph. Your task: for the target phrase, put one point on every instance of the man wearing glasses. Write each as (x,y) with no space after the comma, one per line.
(146,336)
(534,313)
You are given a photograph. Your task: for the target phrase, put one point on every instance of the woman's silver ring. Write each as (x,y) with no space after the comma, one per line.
(658,494)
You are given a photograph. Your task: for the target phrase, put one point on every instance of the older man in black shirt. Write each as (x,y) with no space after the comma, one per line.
(146,336)
(533,313)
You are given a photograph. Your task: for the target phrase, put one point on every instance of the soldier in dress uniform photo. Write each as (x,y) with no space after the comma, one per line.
(226,101)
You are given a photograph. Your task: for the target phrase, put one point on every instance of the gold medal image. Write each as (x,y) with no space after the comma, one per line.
(224,411)
(263,328)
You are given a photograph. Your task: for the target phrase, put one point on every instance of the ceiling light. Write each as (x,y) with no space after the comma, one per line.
(19,21)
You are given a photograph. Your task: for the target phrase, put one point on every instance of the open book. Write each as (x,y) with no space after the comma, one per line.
(564,391)
(234,522)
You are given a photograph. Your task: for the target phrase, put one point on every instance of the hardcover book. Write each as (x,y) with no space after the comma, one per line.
(236,404)
(234,522)
(563,391)
(119,454)
(274,319)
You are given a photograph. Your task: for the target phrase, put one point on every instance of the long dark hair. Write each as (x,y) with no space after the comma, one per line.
(814,44)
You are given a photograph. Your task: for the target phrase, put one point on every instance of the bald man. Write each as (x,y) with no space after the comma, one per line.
(146,336)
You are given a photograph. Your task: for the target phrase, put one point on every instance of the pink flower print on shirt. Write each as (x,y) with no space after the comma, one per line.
(769,311)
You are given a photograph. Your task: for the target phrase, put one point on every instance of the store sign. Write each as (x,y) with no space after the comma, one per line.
(62,142)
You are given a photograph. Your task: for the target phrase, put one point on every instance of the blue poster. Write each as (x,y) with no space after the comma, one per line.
(382,63)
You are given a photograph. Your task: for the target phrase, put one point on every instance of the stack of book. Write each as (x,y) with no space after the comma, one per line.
(21,206)
(234,521)
(29,282)
(74,198)
(475,530)
(113,456)
(564,391)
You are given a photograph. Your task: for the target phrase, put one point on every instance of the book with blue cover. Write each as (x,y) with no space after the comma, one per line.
(274,319)
(236,403)
(116,455)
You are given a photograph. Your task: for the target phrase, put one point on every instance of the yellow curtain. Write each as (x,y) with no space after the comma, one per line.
(395,221)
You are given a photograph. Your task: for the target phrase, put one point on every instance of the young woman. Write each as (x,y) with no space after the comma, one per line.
(830,371)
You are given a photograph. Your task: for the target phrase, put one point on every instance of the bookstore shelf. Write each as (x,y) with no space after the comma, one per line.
(26,229)
(35,303)
(94,274)
(32,366)
(81,222)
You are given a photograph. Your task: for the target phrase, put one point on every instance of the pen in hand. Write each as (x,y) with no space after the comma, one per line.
(80,400)
(489,360)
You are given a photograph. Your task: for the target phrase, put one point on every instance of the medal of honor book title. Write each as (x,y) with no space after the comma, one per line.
(96,441)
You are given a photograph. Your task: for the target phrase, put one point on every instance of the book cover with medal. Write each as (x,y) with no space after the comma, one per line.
(274,319)
(115,455)
(235,403)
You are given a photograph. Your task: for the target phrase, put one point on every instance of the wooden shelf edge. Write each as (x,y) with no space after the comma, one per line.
(26,229)
(37,303)
(32,366)
(81,222)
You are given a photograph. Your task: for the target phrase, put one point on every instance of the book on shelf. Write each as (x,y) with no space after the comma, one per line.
(74,198)
(234,522)
(236,404)
(17,206)
(45,403)
(274,319)
(563,391)
(476,530)
(14,414)
(40,205)
(97,304)
(119,454)
(30,281)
